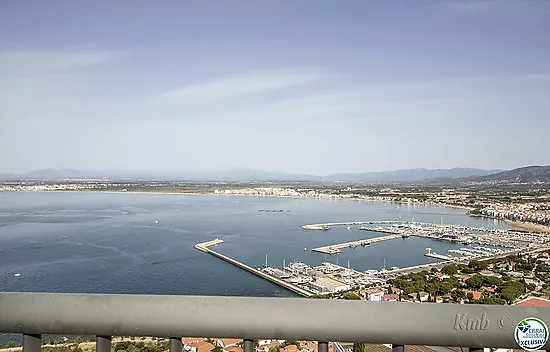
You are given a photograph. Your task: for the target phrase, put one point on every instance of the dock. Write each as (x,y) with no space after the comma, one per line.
(439,256)
(335,248)
(324,226)
(204,247)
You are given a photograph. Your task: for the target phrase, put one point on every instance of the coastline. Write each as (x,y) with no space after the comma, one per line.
(521,225)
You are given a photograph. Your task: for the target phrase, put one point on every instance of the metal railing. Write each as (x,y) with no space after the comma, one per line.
(396,323)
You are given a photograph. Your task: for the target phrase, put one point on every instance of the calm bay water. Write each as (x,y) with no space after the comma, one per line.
(111,243)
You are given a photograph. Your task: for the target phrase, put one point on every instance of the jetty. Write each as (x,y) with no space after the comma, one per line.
(349,223)
(205,247)
(431,254)
(335,248)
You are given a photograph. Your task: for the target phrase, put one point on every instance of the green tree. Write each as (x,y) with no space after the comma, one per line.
(358,347)
(450,270)
(274,349)
(319,296)
(477,265)
(512,290)
(468,270)
(444,288)
(458,293)
(290,342)
(475,281)
(492,281)
(470,296)
(352,296)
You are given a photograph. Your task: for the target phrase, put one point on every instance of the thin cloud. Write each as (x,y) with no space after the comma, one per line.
(240,85)
(40,62)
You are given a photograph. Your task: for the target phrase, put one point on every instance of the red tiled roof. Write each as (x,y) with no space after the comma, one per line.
(191,339)
(390,297)
(228,342)
(476,294)
(233,349)
(291,348)
(202,346)
(533,302)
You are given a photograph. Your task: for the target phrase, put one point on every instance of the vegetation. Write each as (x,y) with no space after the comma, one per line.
(358,347)
(352,296)
(450,270)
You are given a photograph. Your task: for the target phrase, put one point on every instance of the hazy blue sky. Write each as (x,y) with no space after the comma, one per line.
(304,86)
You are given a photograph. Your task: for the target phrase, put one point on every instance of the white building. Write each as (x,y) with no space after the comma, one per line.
(374,295)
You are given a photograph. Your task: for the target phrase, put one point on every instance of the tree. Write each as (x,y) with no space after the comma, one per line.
(319,296)
(458,293)
(477,265)
(470,296)
(492,281)
(468,270)
(444,288)
(352,296)
(274,349)
(358,347)
(475,281)
(450,270)
(512,290)
(78,340)
(290,342)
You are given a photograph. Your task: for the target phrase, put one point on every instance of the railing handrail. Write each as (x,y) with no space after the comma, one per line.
(255,318)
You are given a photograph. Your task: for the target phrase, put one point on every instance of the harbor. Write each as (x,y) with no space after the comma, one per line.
(467,235)
(205,247)
(329,278)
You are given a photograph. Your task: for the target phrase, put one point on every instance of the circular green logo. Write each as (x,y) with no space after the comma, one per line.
(531,334)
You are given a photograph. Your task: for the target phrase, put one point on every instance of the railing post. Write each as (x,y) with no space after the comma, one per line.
(323,346)
(398,348)
(32,343)
(248,345)
(103,343)
(175,344)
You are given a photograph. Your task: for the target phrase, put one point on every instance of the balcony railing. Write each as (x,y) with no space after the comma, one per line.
(396,323)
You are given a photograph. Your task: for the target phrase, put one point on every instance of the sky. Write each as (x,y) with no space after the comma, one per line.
(308,86)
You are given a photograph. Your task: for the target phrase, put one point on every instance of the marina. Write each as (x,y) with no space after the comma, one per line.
(335,248)
(467,235)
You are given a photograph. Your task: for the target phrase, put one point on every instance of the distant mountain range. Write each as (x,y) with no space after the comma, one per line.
(407,175)
(522,175)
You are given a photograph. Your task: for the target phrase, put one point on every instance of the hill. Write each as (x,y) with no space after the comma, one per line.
(410,175)
(521,175)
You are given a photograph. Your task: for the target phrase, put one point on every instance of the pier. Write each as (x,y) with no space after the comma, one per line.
(431,254)
(348,223)
(204,247)
(335,248)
